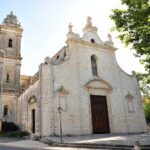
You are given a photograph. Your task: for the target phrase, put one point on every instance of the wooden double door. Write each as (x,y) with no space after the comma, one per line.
(99,110)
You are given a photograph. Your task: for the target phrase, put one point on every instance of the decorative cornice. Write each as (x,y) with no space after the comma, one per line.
(11,59)
(89,44)
(14,29)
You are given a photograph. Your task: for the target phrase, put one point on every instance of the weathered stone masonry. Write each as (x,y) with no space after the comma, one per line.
(84,79)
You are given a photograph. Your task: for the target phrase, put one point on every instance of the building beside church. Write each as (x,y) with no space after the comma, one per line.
(83,79)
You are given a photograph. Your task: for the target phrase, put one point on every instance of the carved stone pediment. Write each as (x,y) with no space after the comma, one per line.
(98,84)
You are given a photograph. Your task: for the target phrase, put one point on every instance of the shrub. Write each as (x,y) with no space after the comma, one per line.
(18,134)
(9,126)
(9,129)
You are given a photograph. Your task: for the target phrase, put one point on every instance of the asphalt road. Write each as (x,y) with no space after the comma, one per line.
(14,148)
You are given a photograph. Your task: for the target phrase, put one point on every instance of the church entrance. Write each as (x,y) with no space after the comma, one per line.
(99,114)
(33,120)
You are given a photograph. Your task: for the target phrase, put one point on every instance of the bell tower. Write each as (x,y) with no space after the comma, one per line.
(10,57)
(10,64)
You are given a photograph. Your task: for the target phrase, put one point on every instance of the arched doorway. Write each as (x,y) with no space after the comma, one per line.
(100,107)
(32,114)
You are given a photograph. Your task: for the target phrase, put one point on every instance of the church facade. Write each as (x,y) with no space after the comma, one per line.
(82,84)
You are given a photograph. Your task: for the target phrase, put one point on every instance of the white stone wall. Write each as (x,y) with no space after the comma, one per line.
(66,75)
(73,74)
(66,81)
(46,89)
(9,100)
(24,108)
(76,72)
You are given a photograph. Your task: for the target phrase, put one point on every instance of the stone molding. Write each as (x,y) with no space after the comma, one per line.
(99,84)
(89,44)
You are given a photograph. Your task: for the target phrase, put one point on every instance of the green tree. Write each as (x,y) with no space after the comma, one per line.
(147,111)
(133,26)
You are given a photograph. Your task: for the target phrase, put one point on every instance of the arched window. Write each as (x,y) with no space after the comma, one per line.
(10,43)
(7,78)
(92,41)
(94,66)
(57,57)
(5,112)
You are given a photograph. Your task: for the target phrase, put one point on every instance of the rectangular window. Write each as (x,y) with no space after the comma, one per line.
(63,102)
(7,78)
(130,106)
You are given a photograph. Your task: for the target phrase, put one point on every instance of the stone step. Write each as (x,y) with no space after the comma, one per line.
(100,146)
(95,146)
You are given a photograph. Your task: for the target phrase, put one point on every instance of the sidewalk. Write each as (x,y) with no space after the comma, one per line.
(120,139)
(91,140)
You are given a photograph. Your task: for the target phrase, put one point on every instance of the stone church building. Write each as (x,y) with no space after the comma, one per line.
(82,80)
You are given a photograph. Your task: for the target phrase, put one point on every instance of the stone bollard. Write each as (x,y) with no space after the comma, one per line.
(137,145)
(32,136)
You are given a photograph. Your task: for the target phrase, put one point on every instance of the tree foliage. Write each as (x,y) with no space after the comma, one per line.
(147,111)
(133,25)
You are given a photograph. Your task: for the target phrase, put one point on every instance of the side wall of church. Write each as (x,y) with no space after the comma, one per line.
(28,100)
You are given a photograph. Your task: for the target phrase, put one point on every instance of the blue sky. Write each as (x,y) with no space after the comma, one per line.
(45,24)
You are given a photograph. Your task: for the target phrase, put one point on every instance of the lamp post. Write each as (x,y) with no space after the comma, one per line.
(1,90)
(60,111)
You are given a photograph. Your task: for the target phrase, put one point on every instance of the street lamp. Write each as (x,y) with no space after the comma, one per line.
(1,89)
(60,111)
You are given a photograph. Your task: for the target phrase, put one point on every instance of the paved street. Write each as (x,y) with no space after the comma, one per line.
(20,144)
(69,148)
(48,148)
(14,148)
(110,139)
